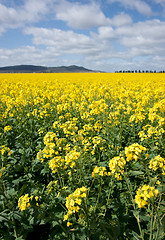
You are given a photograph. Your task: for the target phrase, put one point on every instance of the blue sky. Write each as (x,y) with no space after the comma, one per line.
(105,35)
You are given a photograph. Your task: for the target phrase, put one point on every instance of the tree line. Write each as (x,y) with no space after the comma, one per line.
(139,71)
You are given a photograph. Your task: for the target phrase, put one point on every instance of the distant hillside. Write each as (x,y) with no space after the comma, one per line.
(42,69)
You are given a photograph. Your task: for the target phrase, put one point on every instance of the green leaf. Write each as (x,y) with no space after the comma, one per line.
(11,192)
(4,216)
(136,173)
(20,238)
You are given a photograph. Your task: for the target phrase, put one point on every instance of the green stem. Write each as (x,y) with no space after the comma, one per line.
(155,218)
(132,199)
(110,191)
(79,164)
(99,194)
(15,233)
(61,184)
(151,223)
(5,192)
(87,220)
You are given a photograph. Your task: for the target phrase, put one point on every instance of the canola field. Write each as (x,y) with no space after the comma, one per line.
(82,156)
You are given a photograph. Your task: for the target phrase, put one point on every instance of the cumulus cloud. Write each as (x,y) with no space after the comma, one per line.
(161,2)
(121,19)
(148,34)
(75,14)
(106,33)
(31,11)
(27,55)
(34,10)
(78,15)
(139,5)
(7,15)
(134,39)
(64,41)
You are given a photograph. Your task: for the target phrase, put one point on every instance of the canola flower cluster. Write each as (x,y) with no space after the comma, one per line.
(24,201)
(99,171)
(7,128)
(5,150)
(158,163)
(73,202)
(118,164)
(150,131)
(134,152)
(144,194)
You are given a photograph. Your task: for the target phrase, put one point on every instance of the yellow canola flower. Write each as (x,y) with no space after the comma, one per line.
(5,150)
(116,166)
(134,151)
(101,171)
(56,163)
(24,201)
(71,158)
(49,138)
(7,128)
(73,202)
(157,163)
(69,224)
(143,194)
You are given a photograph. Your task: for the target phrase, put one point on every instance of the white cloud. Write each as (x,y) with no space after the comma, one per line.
(124,43)
(2,30)
(34,10)
(144,39)
(139,5)
(27,55)
(81,16)
(31,11)
(106,33)
(148,34)
(75,14)
(121,19)
(139,39)
(161,2)
(7,15)
(64,42)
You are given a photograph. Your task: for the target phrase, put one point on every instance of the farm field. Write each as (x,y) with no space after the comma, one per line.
(82,156)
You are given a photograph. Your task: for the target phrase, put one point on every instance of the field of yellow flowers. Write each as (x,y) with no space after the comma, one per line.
(82,156)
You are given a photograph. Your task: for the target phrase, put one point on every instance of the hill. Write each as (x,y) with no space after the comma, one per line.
(42,69)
